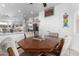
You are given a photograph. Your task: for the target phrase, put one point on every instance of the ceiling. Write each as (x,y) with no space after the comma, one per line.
(22,10)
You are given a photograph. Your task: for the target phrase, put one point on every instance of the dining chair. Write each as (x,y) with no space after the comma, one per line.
(57,50)
(66,46)
(10,52)
(53,35)
(8,46)
(29,34)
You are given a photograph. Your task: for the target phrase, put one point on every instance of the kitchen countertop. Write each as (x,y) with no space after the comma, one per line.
(11,33)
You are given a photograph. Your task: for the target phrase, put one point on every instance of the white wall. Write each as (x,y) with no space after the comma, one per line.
(55,23)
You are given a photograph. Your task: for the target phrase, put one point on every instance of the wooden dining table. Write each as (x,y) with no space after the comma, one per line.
(33,45)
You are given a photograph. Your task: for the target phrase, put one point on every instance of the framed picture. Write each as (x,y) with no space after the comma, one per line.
(65,19)
(49,12)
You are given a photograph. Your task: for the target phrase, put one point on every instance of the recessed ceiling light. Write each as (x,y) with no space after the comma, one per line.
(19,11)
(3,5)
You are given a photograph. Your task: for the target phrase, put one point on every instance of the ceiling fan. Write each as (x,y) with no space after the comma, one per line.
(44,4)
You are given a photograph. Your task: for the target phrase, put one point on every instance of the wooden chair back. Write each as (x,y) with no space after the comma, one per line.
(59,47)
(53,35)
(10,52)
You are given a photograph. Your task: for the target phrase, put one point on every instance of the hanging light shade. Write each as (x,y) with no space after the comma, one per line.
(44,4)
